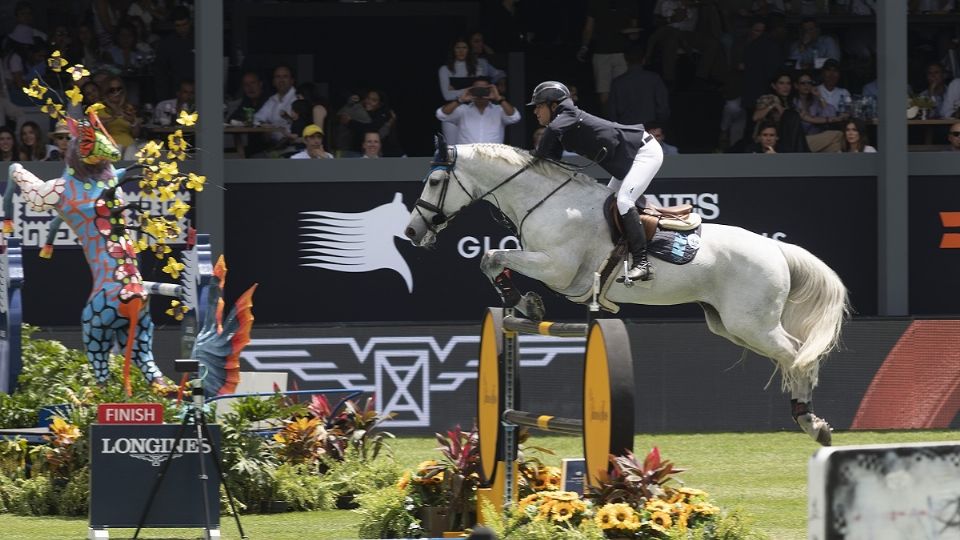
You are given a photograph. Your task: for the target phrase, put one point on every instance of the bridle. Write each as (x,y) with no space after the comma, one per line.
(445,159)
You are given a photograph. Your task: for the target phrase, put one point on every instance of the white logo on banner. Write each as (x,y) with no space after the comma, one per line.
(356,242)
(401,381)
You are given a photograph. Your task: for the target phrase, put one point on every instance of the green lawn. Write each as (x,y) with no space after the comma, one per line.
(762,473)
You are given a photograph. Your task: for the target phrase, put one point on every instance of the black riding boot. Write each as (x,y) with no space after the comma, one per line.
(637,242)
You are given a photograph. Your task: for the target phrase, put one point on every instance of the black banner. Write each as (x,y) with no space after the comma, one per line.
(124,462)
(934,245)
(277,231)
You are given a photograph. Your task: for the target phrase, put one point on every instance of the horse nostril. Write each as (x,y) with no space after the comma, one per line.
(410,232)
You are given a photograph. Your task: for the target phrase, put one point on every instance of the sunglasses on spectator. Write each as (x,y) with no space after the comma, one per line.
(61,137)
(955,133)
(115,89)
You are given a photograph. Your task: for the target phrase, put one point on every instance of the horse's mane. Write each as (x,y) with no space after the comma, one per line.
(519,157)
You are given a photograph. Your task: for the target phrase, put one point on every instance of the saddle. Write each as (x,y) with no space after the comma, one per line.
(673,218)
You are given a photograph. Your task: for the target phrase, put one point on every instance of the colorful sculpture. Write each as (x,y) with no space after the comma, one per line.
(89,198)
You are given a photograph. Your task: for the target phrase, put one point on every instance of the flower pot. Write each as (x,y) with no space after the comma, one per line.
(434,520)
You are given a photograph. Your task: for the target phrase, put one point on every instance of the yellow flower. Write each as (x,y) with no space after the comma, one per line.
(35,90)
(167,170)
(177,310)
(51,108)
(166,192)
(179,208)
(159,250)
(404,481)
(662,519)
(705,509)
(562,511)
(75,95)
(95,108)
(173,267)
(528,500)
(195,182)
(64,432)
(175,141)
(78,72)
(606,517)
(656,505)
(142,243)
(692,492)
(561,495)
(56,62)
(149,153)
(187,119)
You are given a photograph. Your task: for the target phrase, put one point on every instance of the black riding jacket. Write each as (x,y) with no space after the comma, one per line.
(613,146)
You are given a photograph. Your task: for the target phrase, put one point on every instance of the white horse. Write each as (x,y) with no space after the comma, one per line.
(771,297)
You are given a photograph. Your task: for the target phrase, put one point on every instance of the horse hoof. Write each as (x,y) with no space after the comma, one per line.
(531,305)
(817,428)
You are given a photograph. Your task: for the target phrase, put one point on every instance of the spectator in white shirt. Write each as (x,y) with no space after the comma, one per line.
(951,100)
(167,110)
(480,114)
(828,90)
(313,138)
(276,110)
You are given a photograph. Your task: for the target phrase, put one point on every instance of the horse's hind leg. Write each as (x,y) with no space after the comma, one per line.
(768,338)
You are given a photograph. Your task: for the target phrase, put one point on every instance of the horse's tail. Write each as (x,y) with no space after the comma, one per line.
(815,310)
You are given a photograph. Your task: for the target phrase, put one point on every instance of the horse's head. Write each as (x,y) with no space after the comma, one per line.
(443,196)
(92,145)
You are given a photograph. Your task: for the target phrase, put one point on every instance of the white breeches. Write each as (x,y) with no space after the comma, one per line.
(645,166)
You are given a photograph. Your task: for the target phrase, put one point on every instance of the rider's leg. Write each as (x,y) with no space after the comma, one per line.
(645,166)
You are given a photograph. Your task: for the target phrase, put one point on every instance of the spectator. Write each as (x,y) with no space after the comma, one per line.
(60,137)
(765,140)
(8,145)
(91,94)
(372,145)
(951,100)
(313,138)
(816,116)
(15,61)
(482,51)
(480,114)
(638,96)
(855,137)
(828,89)
(762,58)
(778,108)
(812,48)
(147,11)
(166,112)
(656,130)
(608,25)
(23,22)
(175,55)
(276,110)
(678,20)
(128,52)
(120,116)
(953,137)
(361,115)
(105,19)
(32,147)
(91,54)
(318,111)
(251,86)
(458,73)
(62,40)
(300,115)
(936,88)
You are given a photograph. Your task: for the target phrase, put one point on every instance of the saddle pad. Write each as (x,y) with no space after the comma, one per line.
(676,247)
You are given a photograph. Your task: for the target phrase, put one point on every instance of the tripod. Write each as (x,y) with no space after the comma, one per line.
(202,434)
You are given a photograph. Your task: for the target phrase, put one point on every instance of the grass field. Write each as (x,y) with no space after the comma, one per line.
(764,474)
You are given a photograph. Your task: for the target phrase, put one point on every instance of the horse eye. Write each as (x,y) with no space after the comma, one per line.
(434,182)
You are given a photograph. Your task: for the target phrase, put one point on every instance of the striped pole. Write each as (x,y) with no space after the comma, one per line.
(544,422)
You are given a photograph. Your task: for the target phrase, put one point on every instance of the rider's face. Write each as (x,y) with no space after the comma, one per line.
(543,112)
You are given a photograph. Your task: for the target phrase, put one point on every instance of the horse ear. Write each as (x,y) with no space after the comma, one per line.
(441,148)
(72,126)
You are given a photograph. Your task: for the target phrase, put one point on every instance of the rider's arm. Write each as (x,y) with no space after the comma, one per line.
(549,146)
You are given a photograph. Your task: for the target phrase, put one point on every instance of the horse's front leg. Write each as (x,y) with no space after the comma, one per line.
(498,263)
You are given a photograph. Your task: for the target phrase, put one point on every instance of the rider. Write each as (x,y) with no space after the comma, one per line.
(630,154)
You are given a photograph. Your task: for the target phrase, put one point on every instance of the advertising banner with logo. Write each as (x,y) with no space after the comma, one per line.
(124,462)
(686,378)
(333,252)
(934,245)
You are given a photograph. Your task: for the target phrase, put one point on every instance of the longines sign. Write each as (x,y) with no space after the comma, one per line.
(125,461)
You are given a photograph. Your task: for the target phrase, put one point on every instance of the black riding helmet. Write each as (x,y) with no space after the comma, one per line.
(549,92)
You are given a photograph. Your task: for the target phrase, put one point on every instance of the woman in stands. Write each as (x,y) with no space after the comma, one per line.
(855,137)
(461,69)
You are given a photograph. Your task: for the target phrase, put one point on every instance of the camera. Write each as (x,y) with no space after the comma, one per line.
(480,91)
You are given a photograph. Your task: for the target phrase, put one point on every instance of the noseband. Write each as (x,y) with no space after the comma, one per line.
(446,161)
